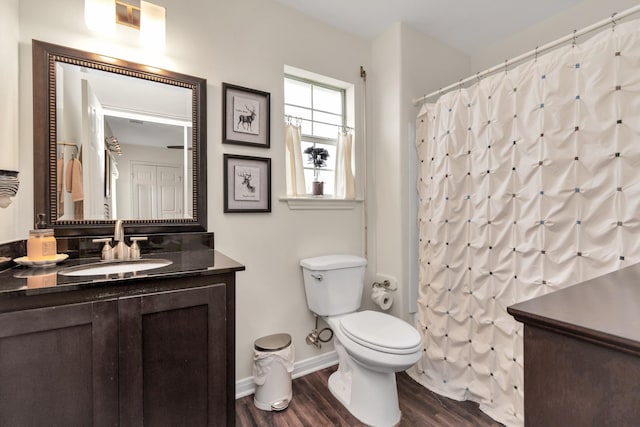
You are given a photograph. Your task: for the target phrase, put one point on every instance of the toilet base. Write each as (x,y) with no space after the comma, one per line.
(370,396)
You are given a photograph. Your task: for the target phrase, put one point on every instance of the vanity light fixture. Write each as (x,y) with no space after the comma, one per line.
(153,25)
(100,15)
(127,15)
(150,19)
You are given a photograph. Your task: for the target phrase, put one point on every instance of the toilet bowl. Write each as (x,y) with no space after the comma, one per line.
(371,346)
(380,341)
(365,382)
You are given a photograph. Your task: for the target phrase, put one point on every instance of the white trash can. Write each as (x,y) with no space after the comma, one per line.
(272,366)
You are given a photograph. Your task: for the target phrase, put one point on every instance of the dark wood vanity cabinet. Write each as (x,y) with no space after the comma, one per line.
(172,358)
(570,381)
(161,358)
(58,366)
(582,353)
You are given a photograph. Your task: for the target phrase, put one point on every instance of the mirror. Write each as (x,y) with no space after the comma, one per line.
(117,140)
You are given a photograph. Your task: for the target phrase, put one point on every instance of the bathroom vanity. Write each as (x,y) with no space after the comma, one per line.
(145,348)
(153,347)
(582,353)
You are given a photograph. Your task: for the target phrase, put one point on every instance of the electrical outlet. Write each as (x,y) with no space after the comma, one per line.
(393,282)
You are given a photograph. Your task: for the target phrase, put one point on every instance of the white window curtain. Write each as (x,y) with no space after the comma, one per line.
(528,183)
(345,183)
(293,163)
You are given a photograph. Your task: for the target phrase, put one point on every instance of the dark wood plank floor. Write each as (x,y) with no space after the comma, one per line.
(314,405)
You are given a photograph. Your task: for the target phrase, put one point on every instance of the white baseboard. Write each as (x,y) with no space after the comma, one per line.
(246,386)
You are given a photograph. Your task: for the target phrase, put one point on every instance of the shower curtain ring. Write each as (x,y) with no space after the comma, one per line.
(535,58)
(613,21)
(574,38)
(506,62)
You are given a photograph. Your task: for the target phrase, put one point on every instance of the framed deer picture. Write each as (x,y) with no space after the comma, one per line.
(247,184)
(246,116)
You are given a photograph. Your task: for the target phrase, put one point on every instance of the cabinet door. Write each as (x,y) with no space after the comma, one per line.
(173,348)
(58,366)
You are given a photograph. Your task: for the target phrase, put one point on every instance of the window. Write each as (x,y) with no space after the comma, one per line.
(321,110)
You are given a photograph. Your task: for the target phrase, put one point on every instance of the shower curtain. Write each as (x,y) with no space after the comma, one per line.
(529,182)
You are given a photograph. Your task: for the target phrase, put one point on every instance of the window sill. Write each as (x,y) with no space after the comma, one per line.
(319,203)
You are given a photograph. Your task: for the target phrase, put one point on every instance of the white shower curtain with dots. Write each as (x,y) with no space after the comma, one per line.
(529,182)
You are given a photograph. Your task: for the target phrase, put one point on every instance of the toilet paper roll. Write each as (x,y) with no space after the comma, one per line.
(382,298)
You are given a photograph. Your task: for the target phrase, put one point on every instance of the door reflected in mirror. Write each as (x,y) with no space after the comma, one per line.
(124,147)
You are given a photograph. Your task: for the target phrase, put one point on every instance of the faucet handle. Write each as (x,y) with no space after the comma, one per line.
(135,248)
(107,250)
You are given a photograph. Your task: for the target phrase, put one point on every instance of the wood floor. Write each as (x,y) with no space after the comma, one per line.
(313,405)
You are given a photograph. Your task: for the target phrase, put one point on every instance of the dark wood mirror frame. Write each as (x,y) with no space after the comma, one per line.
(45,55)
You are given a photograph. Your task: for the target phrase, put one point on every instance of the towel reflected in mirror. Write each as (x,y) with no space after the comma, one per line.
(73,184)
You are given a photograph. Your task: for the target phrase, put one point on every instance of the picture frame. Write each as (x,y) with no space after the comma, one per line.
(247,184)
(246,116)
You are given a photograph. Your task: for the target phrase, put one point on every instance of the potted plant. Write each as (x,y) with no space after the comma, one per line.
(318,157)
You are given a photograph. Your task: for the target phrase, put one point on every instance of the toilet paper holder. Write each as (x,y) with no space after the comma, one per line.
(380,294)
(386,285)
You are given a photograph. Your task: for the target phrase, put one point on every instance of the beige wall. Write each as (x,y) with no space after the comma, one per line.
(9,31)
(248,42)
(244,42)
(385,212)
(405,63)
(579,16)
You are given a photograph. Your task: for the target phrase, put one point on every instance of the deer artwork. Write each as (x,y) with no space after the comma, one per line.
(247,120)
(246,181)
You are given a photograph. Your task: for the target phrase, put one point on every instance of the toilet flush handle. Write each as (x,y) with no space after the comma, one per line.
(318,277)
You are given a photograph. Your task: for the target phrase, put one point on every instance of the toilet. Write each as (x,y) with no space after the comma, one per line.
(371,346)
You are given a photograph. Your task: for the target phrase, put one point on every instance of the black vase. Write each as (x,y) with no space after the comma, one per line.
(318,188)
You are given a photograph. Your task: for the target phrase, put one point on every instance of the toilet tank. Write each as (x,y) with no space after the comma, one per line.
(333,283)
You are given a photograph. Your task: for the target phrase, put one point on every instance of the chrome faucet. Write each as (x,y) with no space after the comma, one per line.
(120,250)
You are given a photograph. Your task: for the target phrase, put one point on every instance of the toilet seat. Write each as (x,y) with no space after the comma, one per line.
(380,332)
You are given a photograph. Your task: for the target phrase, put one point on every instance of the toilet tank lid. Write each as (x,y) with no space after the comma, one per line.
(333,262)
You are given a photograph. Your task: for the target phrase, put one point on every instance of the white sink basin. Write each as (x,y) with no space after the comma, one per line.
(106,268)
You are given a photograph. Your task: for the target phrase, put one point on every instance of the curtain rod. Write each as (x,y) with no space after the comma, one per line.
(288,117)
(576,33)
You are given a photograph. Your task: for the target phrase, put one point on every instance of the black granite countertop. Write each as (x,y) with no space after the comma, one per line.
(605,309)
(30,281)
